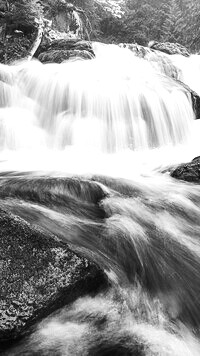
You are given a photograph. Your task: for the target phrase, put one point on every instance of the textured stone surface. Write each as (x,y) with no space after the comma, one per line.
(169,48)
(58,56)
(194,97)
(61,49)
(38,274)
(189,172)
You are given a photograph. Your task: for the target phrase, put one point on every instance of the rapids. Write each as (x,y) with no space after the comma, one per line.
(82,146)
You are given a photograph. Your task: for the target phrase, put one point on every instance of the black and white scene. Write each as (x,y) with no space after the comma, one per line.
(100,178)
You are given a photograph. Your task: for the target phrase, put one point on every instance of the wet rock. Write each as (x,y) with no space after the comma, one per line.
(61,49)
(159,60)
(169,48)
(59,56)
(196,104)
(194,98)
(138,50)
(189,172)
(38,274)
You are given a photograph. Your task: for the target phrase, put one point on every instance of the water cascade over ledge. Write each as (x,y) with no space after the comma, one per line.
(81,144)
(112,103)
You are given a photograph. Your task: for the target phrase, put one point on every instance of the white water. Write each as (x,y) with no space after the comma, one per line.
(115,115)
(189,70)
(97,115)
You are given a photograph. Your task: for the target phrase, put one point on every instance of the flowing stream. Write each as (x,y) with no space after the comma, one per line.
(82,145)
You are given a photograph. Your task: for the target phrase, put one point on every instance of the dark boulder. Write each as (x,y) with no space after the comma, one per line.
(194,98)
(58,56)
(61,49)
(169,48)
(189,172)
(195,103)
(38,275)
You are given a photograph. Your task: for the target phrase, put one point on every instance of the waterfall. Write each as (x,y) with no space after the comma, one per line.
(108,105)
(80,147)
(189,69)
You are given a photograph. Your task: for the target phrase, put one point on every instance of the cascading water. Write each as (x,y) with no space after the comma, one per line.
(113,116)
(113,103)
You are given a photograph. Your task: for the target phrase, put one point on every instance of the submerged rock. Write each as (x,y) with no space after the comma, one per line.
(38,275)
(138,50)
(169,48)
(189,172)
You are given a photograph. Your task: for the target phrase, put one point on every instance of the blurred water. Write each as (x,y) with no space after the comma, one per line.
(93,135)
(144,233)
(111,107)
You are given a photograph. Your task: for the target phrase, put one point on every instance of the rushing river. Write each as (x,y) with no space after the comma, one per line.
(82,147)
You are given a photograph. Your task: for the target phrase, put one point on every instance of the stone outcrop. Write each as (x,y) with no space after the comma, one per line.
(59,56)
(38,275)
(169,48)
(189,172)
(21,40)
(61,49)
(194,98)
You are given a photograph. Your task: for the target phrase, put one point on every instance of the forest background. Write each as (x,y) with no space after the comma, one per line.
(141,21)
(129,21)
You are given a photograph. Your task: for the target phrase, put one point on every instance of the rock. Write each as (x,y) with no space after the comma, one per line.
(54,40)
(194,97)
(38,274)
(159,60)
(58,56)
(138,50)
(58,50)
(195,103)
(169,48)
(189,172)
(57,43)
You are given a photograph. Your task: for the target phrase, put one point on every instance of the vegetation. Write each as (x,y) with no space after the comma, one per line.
(21,15)
(138,21)
(19,20)
(160,20)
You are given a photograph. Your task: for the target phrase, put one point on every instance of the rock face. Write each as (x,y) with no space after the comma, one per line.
(38,275)
(169,48)
(189,172)
(59,50)
(194,97)
(59,56)
(195,103)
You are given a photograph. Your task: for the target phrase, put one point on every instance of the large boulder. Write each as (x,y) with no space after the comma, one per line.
(57,50)
(59,56)
(38,275)
(189,172)
(169,48)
